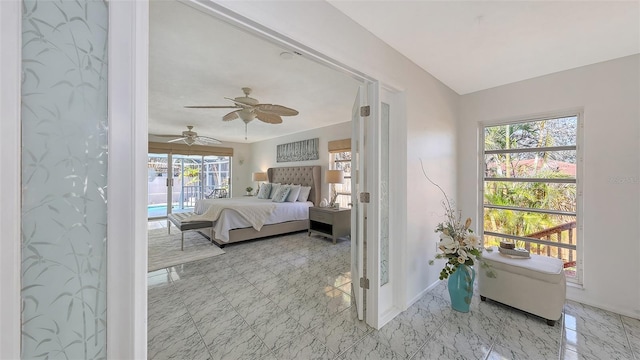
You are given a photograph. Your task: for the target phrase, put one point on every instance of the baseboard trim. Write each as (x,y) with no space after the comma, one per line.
(421,294)
(388,316)
(625,312)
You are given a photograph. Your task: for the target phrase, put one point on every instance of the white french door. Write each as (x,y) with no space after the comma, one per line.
(357,211)
(363,198)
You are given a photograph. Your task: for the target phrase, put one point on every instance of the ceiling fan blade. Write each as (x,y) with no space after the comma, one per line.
(211,107)
(231,116)
(276,109)
(176,140)
(268,118)
(206,140)
(168,136)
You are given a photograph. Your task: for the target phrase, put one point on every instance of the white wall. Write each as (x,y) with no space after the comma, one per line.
(240,168)
(430,115)
(263,153)
(609,92)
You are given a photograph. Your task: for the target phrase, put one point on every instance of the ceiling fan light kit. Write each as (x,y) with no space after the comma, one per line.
(249,108)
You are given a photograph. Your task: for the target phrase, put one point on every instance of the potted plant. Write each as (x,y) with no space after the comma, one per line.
(249,190)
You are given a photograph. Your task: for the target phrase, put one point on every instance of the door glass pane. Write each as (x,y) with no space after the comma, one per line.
(187,186)
(217,172)
(158,174)
(384,194)
(64,179)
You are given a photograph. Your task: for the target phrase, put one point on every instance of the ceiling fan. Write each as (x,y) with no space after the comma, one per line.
(190,137)
(249,108)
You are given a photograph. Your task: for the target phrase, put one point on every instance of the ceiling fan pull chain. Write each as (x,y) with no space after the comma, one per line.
(245,131)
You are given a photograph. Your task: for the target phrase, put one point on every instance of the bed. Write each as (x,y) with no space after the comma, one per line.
(231,227)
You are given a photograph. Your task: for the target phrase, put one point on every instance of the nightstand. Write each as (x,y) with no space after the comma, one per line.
(329,222)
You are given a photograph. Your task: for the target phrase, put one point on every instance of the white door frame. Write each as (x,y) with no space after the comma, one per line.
(372,211)
(392,295)
(127,192)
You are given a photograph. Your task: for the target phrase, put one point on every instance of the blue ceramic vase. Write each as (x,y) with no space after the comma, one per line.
(461,287)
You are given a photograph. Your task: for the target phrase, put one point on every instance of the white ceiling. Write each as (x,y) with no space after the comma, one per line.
(468,45)
(476,45)
(195,59)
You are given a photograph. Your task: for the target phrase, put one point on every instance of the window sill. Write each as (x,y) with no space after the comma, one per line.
(574,285)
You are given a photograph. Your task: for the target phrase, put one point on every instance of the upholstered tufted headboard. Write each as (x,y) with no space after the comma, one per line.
(303,175)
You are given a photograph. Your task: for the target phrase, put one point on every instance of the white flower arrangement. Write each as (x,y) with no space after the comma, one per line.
(457,242)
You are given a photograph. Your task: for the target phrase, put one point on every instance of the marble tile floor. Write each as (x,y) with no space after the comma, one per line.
(289,298)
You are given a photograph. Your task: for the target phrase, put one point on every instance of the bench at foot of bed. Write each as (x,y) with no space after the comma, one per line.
(180,220)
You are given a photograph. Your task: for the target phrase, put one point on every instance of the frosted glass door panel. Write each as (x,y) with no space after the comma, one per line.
(64,179)
(384,194)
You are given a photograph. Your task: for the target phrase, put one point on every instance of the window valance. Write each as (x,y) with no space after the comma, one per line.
(184,149)
(337,146)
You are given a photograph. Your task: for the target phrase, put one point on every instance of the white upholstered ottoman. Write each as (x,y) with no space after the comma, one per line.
(536,285)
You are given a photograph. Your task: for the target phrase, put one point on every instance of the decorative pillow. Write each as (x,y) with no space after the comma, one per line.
(274,188)
(284,186)
(264,191)
(294,193)
(304,193)
(282,193)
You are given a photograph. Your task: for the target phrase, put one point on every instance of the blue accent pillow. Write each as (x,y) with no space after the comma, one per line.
(274,188)
(281,194)
(265,190)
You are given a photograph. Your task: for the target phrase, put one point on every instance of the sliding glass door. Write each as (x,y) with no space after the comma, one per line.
(187,184)
(176,188)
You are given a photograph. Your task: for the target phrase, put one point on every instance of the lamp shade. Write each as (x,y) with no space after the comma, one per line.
(259,176)
(334,176)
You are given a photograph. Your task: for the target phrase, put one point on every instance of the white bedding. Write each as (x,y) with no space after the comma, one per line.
(230,219)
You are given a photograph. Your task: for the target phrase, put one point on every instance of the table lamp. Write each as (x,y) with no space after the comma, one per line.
(334,177)
(258,177)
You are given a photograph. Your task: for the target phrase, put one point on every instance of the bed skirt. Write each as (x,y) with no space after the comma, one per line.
(237,235)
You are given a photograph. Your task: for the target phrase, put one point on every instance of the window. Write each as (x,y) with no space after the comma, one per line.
(340,158)
(342,161)
(530,189)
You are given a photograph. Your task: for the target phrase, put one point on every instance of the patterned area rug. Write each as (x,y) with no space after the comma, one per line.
(164,249)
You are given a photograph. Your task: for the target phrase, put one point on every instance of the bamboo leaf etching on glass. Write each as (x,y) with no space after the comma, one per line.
(64,178)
